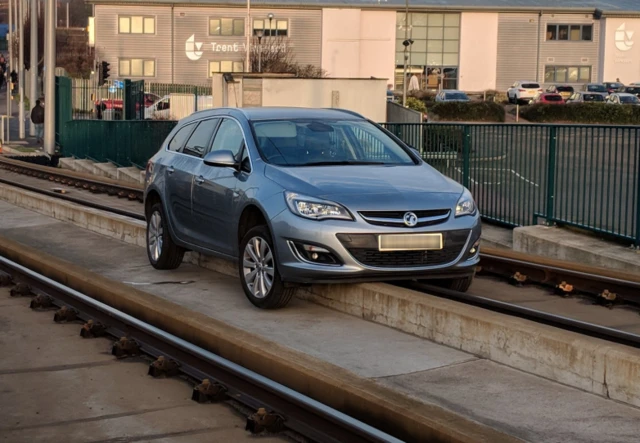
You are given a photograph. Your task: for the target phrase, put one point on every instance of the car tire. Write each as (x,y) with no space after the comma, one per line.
(257,257)
(510,99)
(162,251)
(458,284)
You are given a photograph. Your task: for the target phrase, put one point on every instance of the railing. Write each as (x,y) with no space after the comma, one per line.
(575,175)
(124,143)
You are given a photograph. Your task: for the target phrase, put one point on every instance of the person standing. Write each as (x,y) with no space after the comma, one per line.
(37,118)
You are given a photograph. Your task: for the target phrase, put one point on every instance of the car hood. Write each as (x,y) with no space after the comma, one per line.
(390,188)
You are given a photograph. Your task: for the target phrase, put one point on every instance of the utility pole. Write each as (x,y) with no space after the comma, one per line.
(406,54)
(33,62)
(50,77)
(21,70)
(249,28)
(10,64)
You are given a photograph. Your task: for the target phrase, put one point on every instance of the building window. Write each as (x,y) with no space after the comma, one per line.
(567,74)
(136,24)
(574,33)
(434,54)
(224,66)
(271,28)
(226,26)
(136,67)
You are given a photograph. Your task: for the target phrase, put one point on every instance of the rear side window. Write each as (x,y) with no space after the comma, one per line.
(201,138)
(181,136)
(531,86)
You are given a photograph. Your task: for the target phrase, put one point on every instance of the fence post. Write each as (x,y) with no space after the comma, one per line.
(637,151)
(551,175)
(195,95)
(126,101)
(466,153)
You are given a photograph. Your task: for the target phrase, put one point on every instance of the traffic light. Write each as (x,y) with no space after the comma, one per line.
(103,73)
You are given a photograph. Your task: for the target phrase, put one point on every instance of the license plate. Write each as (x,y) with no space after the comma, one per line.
(409,242)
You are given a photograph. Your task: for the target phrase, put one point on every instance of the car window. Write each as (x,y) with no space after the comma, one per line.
(201,138)
(320,142)
(181,136)
(593,98)
(553,98)
(229,137)
(564,89)
(531,86)
(628,99)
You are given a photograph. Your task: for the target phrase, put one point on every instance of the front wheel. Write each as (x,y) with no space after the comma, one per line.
(258,270)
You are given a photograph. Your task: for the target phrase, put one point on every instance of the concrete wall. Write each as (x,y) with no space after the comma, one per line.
(621,50)
(358,43)
(478,51)
(367,97)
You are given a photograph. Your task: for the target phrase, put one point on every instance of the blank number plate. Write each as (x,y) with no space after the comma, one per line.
(410,242)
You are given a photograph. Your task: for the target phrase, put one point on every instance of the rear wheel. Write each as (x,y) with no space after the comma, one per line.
(258,270)
(163,253)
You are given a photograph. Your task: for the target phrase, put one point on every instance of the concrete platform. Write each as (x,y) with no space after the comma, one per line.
(130,175)
(522,405)
(108,170)
(600,367)
(565,244)
(57,387)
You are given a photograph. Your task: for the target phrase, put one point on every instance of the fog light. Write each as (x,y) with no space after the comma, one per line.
(473,250)
(316,254)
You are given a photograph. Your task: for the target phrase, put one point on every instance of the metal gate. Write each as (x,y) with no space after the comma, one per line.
(134,103)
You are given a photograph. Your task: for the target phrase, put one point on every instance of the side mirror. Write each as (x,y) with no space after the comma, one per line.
(221,159)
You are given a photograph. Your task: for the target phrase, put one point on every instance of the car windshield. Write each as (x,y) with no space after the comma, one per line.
(593,98)
(456,96)
(323,142)
(628,99)
(553,98)
(596,88)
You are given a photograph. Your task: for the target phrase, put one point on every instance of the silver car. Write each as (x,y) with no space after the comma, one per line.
(298,196)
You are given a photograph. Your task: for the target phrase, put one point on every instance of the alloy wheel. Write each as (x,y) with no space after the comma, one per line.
(154,236)
(258,267)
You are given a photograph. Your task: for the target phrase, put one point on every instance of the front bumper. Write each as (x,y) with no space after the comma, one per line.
(356,266)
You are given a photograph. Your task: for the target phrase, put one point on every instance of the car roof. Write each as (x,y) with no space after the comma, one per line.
(279,113)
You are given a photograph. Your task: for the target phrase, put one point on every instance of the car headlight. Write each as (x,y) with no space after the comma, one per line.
(314,208)
(466,205)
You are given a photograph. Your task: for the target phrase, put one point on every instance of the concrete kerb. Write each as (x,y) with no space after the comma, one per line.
(586,363)
(377,405)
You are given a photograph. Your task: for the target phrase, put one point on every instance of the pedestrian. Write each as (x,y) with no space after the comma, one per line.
(14,80)
(3,63)
(37,118)
(2,78)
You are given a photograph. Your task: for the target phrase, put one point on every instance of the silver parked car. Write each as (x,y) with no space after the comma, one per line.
(298,196)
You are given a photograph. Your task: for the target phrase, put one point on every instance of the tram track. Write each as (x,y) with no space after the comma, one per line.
(603,286)
(285,408)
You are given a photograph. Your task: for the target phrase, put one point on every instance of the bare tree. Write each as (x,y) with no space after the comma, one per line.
(274,55)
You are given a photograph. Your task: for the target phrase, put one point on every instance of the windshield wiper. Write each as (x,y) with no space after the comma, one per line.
(342,162)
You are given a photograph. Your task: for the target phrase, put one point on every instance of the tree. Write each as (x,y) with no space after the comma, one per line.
(27,42)
(275,56)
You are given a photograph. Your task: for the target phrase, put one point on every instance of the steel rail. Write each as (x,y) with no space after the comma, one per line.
(78,201)
(558,321)
(302,414)
(44,172)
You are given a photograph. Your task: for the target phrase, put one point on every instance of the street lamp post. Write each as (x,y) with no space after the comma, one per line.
(249,31)
(21,70)
(10,64)
(406,43)
(50,79)
(259,34)
(33,60)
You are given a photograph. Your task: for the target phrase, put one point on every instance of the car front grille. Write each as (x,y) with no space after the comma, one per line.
(364,249)
(396,218)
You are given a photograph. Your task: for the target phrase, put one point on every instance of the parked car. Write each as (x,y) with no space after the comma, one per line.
(595,87)
(622,98)
(452,95)
(111,109)
(549,98)
(298,196)
(614,87)
(523,91)
(586,97)
(564,90)
(177,106)
(635,90)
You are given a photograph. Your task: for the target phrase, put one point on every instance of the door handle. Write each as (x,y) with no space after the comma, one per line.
(171,169)
(199,180)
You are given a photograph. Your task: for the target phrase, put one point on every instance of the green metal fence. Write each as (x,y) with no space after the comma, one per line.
(124,143)
(576,175)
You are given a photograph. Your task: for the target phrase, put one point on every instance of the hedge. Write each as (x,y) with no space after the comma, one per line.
(582,113)
(468,111)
